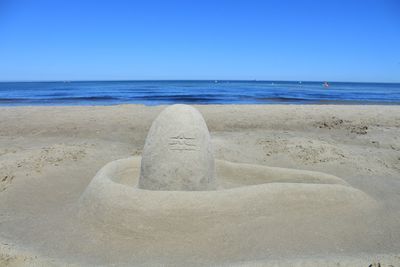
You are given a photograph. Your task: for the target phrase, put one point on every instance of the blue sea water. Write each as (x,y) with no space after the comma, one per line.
(195,92)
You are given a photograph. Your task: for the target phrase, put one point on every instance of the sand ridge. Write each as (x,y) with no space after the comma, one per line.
(264,191)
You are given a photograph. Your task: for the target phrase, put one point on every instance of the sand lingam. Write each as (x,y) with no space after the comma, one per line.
(177,191)
(177,154)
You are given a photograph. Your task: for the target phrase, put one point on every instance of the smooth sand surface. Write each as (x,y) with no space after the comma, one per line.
(272,206)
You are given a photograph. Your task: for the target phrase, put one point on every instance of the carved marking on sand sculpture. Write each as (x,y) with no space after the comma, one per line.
(182,142)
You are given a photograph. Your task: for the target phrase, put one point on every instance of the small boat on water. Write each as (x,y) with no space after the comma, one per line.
(326,84)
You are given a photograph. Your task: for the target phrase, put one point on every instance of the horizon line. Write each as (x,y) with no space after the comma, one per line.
(188,80)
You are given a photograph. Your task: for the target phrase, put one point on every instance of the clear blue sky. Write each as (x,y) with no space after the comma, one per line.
(334,40)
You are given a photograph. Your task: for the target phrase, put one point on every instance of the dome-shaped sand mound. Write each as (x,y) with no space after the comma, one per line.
(177,154)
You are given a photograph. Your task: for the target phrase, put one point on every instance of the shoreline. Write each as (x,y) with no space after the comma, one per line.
(273,102)
(202,105)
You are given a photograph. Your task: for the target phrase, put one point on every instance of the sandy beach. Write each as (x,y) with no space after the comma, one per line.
(49,155)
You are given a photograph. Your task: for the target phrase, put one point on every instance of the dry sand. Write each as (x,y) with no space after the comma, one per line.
(49,155)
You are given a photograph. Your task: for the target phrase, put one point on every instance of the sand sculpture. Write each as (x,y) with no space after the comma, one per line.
(173,194)
(177,154)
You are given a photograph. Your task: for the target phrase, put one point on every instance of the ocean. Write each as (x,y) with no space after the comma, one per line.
(196,92)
